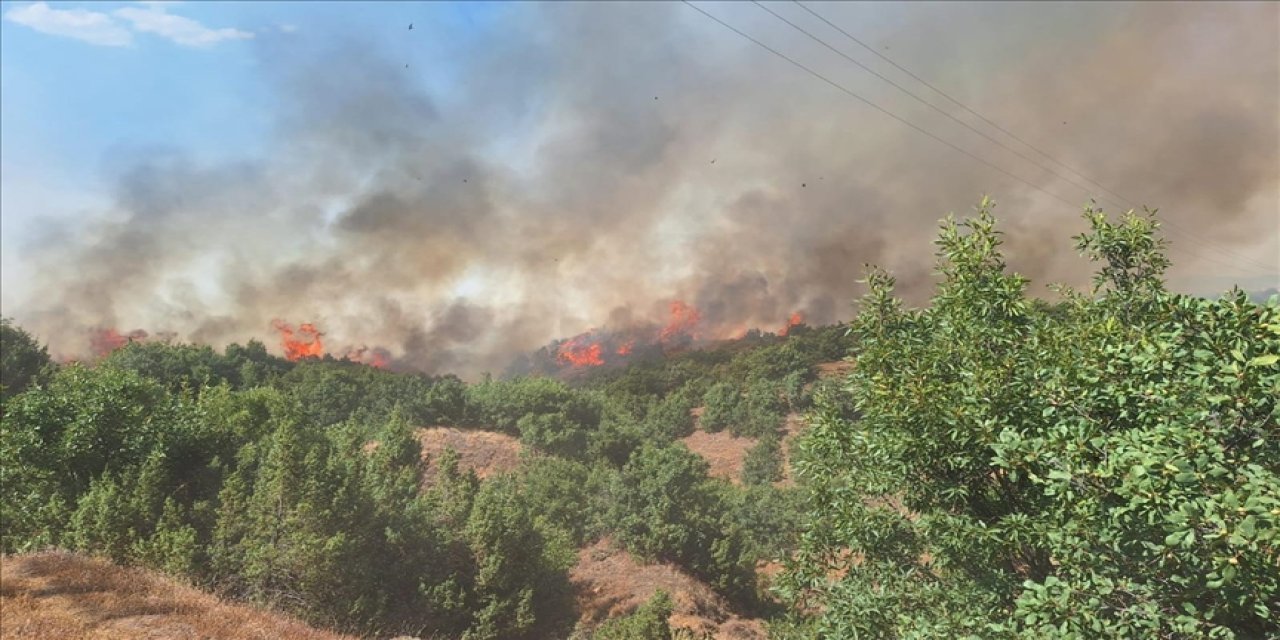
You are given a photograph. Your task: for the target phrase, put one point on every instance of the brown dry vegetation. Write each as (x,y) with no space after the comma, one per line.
(722,450)
(609,582)
(834,369)
(486,452)
(58,595)
(726,453)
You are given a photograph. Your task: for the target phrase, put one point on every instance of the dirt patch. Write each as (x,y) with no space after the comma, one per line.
(726,453)
(722,450)
(609,582)
(834,369)
(487,453)
(57,595)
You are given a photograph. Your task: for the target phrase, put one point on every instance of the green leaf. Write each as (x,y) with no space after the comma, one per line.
(1264,361)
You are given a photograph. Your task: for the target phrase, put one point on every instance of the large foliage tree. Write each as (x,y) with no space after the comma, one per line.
(1105,467)
(22,359)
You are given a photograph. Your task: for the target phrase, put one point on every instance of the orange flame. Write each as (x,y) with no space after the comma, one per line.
(104,341)
(308,345)
(580,351)
(796,319)
(684,319)
(625,348)
(376,357)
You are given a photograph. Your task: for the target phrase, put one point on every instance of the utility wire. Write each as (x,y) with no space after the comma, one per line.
(922,101)
(1120,199)
(875,106)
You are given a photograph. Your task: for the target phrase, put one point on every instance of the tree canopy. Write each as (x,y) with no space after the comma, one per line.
(1106,466)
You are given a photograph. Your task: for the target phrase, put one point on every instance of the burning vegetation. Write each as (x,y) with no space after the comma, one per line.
(306,342)
(683,329)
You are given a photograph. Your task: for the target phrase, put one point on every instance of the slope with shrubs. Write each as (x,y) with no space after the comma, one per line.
(58,595)
(991,466)
(298,485)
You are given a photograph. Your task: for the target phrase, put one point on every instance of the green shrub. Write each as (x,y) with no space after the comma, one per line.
(23,360)
(763,463)
(722,407)
(648,622)
(1099,468)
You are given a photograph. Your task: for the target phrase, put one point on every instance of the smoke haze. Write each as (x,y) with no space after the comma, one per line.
(593,162)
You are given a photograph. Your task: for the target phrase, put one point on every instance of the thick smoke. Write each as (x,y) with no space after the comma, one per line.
(590,163)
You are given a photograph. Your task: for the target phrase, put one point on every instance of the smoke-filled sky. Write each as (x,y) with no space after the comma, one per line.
(503,175)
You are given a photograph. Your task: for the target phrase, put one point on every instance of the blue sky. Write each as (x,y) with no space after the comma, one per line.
(80,79)
(85,84)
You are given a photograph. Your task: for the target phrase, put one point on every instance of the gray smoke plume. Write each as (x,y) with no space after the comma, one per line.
(593,162)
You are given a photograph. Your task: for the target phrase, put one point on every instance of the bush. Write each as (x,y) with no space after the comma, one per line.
(664,507)
(22,359)
(765,411)
(763,464)
(648,622)
(672,417)
(722,407)
(1099,468)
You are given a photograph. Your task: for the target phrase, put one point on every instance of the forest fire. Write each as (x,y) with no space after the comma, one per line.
(682,330)
(684,318)
(581,351)
(104,341)
(304,342)
(376,357)
(795,320)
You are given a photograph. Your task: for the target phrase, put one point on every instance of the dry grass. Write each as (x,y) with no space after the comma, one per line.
(486,452)
(609,582)
(723,451)
(57,596)
(726,453)
(834,369)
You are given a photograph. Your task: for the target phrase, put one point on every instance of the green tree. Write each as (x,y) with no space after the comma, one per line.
(648,622)
(765,410)
(22,359)
(671,417)
(722,407)
(520,579)
(1100,468)
(664,507)
(763,463)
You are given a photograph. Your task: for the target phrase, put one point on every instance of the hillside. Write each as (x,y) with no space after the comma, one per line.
(609,582)
(960,471)
(486,453)
(59,596)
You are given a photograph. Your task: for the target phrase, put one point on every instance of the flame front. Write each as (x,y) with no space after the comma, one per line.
(684,318)
(376,357)
(301,343)
(104,341)
(581,351)
(795,320)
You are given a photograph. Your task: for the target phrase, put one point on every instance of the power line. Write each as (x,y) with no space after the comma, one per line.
(1120,199)
(875,106)
(919,99)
